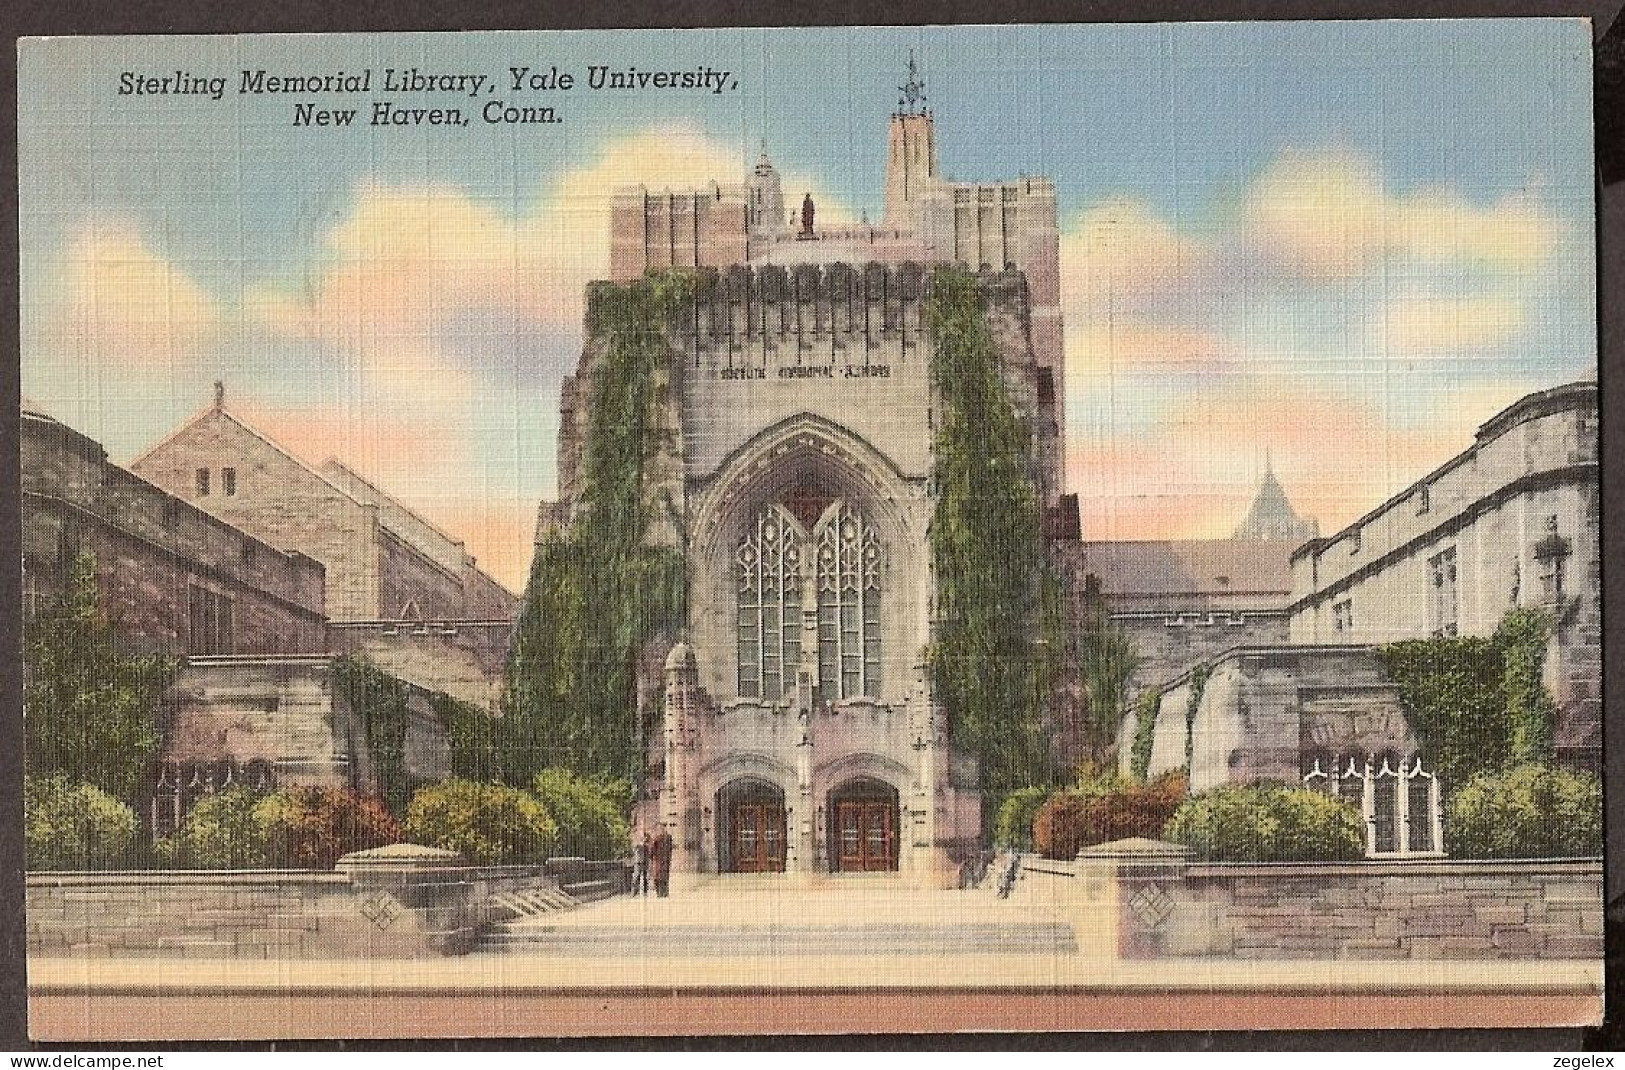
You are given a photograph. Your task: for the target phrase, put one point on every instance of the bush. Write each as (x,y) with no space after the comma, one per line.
(1013,821)
(312,828)
(219,833)
(587,813)
(68,825)
(485,823)
(1268,823)
(1527,811)
(1105,809)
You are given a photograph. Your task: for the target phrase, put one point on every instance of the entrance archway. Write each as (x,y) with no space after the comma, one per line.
(863,827)
(750,827)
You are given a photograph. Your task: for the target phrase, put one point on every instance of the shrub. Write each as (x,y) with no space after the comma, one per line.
(1527,811)
(219,833)
(1013,821)
(1105,809)
(69,825)
(485,823)
(1268,823)
(312,828)
(587,813)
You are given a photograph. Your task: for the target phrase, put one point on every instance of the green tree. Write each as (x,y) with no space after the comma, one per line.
(986,548)
(89,710)
(1107,662)
(597,594)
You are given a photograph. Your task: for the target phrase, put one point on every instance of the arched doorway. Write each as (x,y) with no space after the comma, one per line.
(750,827)
(864,826)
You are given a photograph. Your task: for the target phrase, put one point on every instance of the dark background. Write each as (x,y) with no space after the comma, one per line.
(22,18)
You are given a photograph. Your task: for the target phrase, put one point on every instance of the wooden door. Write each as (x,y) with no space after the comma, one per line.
(758,838)
(867,836)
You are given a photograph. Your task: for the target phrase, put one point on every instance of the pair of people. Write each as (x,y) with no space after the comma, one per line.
(651,861)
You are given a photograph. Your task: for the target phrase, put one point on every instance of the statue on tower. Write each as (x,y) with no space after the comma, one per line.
(807,216)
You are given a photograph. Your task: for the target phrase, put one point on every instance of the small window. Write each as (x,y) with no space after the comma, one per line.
(202,482)
(228,481)
(1424,500)
(1355,540)
(1343,616)
(1443,597)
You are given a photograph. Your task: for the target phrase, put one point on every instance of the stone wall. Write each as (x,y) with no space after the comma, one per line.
(286,711)
(152,549)
(1146,900)
(1370,910)
(1264,710)
(391,911)
(277,498)
(465,659)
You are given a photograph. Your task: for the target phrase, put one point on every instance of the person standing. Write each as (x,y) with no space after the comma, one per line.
(660,862)
(640,861)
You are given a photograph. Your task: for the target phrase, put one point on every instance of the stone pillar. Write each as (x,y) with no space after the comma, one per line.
(420,901)
(680,800)
(1126,897)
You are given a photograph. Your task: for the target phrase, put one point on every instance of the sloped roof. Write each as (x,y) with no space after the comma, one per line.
(1204,567)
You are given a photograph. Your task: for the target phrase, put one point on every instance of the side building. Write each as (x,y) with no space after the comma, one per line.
(1510,522)
(256,698)
(400,591)
(1513,521)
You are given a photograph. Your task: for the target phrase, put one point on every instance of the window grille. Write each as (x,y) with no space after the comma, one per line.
(844,594)
(1399,801)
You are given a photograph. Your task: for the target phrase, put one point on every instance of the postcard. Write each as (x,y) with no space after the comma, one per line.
(811,530)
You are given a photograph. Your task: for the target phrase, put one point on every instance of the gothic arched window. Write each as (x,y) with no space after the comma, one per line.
(848,604)
(769,569)
(773,589)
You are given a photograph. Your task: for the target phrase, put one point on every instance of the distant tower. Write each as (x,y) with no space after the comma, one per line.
(1272,516)
(911,159)
(765,210)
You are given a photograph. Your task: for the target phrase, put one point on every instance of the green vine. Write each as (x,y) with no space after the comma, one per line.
(471,735)
(598,593)
(987,549)
(1477,704)
(1145,732)
(1531,712)
(1198,684)
(379,699)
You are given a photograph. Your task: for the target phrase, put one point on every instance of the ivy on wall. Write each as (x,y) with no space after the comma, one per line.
(986,547)
(598,593)
(379,700)
(1145,732)
(1477,704)
(1199,676)
(471,737)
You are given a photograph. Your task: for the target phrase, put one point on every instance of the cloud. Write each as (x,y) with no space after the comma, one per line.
(127,304)
(1515,233)
(1427,326)
(1327,215)
(1336,453)
(437,304)
(1322,215)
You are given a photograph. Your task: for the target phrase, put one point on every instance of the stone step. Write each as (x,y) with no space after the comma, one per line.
(706,941)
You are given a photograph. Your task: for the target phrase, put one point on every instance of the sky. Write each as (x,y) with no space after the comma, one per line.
(1340,245)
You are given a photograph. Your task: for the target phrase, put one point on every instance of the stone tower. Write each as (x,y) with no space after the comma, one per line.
(1272,515)
(911,154)
(764,208)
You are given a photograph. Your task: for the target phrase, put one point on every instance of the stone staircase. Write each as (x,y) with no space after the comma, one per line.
(533,935)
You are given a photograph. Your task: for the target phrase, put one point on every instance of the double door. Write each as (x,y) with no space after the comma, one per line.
(758,837)
(867,835)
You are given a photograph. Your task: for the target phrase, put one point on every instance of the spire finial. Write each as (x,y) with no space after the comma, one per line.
(1269,468)
(913,90)
(219,394)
